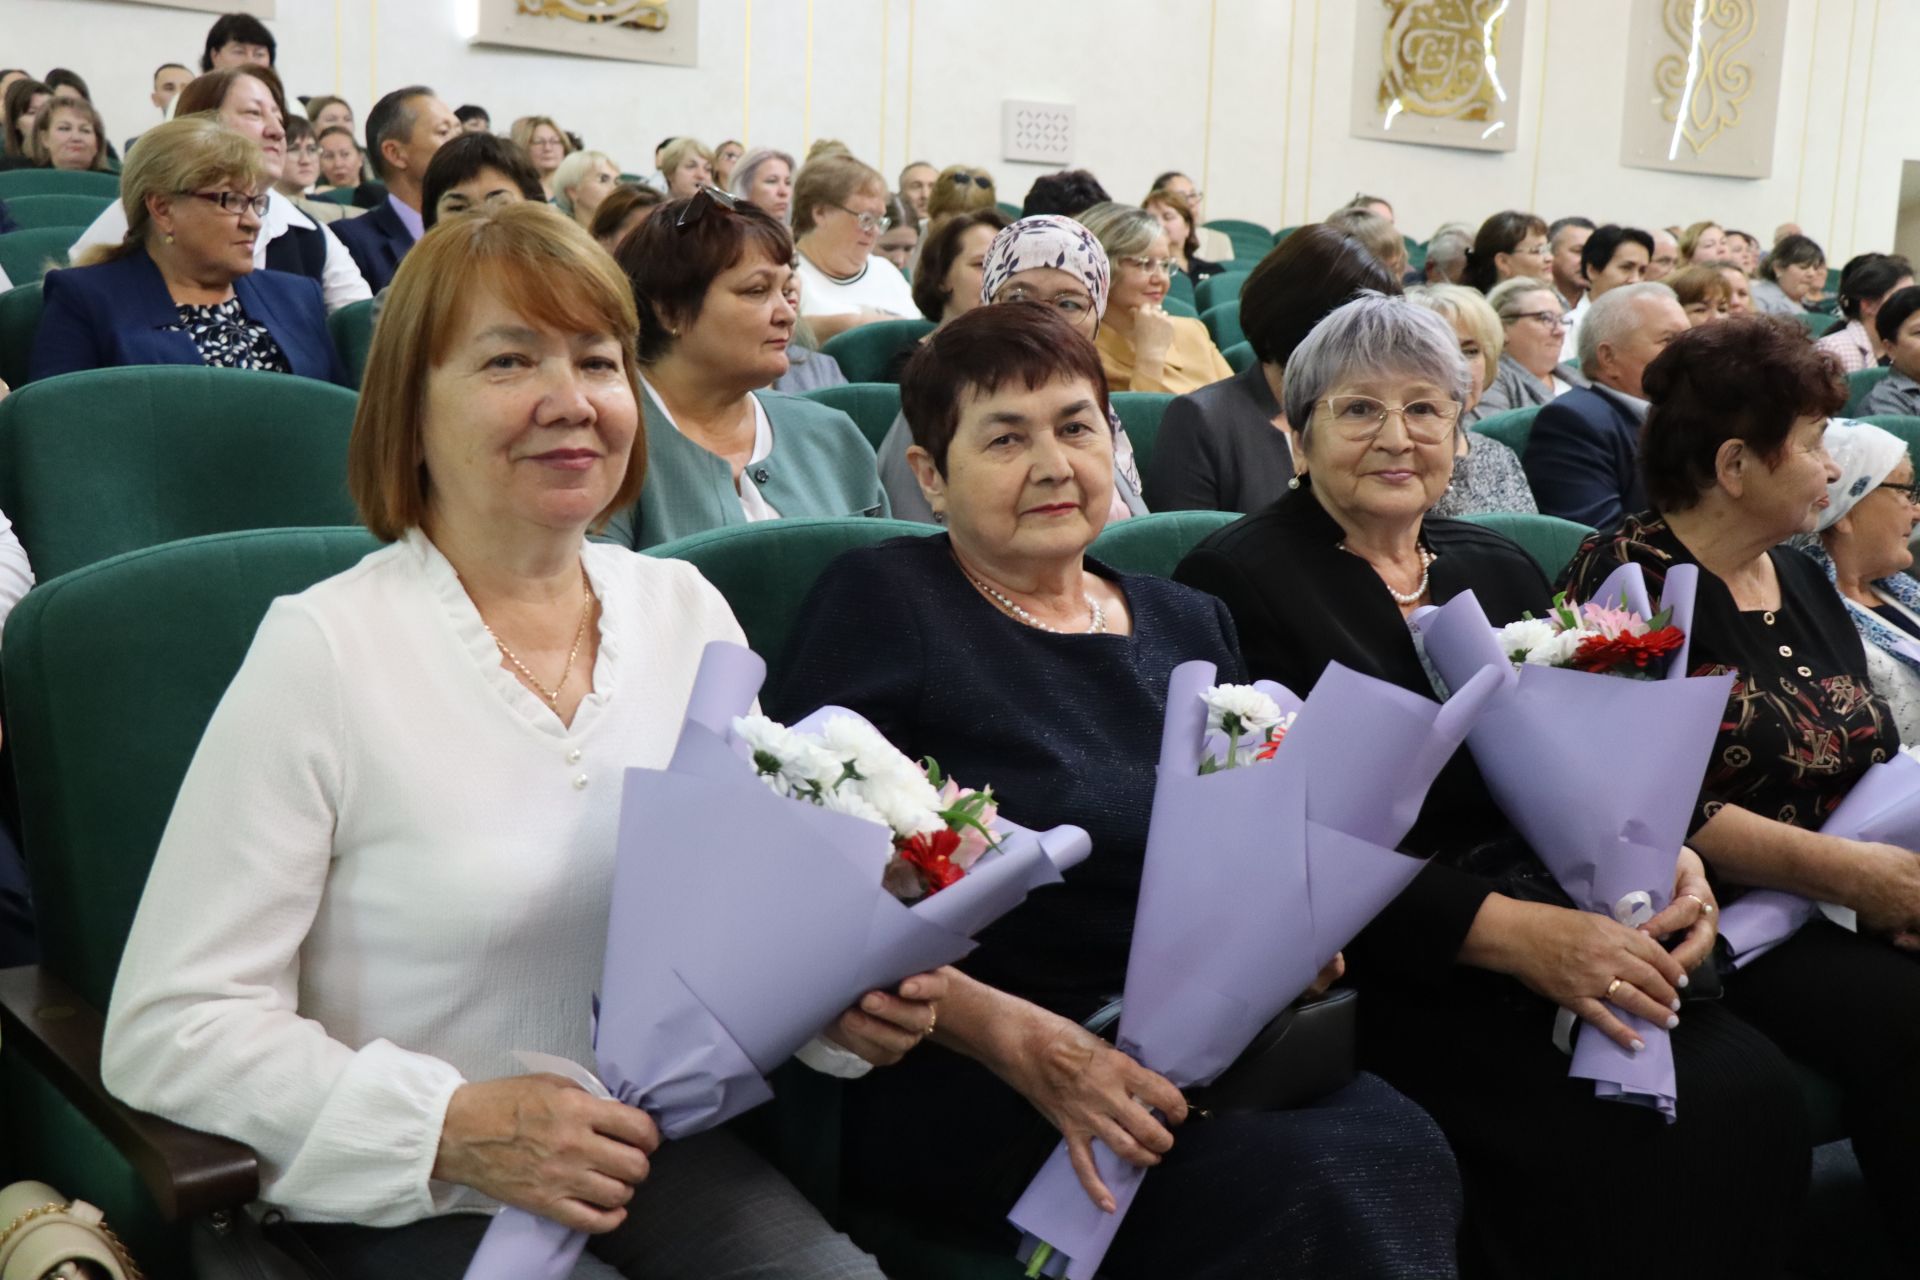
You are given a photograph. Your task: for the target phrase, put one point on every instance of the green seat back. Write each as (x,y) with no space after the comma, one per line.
(15,183)
(65,210)
(1250,239)
(1223,322)
(1908,429)
(1182,290)
(1240,356)
(1510,428)
(1175,307)
(1011,210)
(1416,252)
(1550,540)
(27,255)
(1817,324)
(863,354)
(1224,286)
(352,330)
(1282,234)
(334,195)
(1140,413)
(1859,385)
(872,405)
(19,321)
(98,463)
(766,569)
(1156,543)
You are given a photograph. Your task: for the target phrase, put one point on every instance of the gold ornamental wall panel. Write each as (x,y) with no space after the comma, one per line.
(1703,86)
(1441,73)
(628,30)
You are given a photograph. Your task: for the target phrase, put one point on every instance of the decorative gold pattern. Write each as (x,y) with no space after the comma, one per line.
(1705,77)
(1438,58)
(643,15)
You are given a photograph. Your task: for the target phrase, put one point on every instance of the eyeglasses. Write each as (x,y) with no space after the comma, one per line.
(233,202)
(1910,491)
(980,180)
(1152,266)
(1358,419)
(701,202)
(1538,251)
(1070,305)
(1551,319)
(868,221)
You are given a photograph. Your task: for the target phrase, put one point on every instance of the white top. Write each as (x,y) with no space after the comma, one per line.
(388,867)
(16,575)
(340,282)
(878,287)
(1570,348)
(753,503)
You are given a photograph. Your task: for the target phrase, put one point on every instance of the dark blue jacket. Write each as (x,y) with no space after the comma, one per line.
(6,220)
(377,242)
(116,313)
(1583,459)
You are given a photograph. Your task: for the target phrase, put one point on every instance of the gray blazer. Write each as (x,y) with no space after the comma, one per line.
(1769,299)
(1515,388)
(1895,393)
(1218,449)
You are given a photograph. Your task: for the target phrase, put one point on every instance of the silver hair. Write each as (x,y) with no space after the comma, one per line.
(1449,245)
(1373,336)
(1612,316)
(1123,230)
(745,167)
(1501,296)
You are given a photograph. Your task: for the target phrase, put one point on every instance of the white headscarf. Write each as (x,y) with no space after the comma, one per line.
(1866,455)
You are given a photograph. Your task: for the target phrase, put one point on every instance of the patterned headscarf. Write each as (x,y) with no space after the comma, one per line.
(1866,455)
(1047,240)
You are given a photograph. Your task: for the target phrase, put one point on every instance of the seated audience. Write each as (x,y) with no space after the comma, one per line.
(1381,238)
(1666,255)
(1583,455)
(1182,236)
(839,213)
(1703,293)
(1898,323)
(1793,273)
(1739,291)
(961,188)
(1530,371)
(1008,611)
(916,187)
(1379,206)
(1487,475)
(22,101)
(302,975)
(473,119)
(1215,246)
(302,172)
(726,157)
(715,285)
(342,164)
(1706,242)
(404,129)
(328,112)
(182,287)
(1745,250)
(764,177)
(583,180)
(169,78)
(237,40)
(1862,545)
(901,240)
(1142,347)
(625,208)
(1047,261)
(476,171)
(1224,447)
(68,134)
(1610,257)
(1566,238)
(947,281)
(248,99)
(1066,194)
(1484,950)
(1509,244)
(1866,283)
(1734,467)
(546,142)
(686,165)
(1447,253)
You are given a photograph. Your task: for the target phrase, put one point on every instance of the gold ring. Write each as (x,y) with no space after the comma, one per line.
(1611,988)
(932,1022)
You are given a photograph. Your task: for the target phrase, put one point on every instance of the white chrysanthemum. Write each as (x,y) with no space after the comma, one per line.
(911,810)
(1254,711)
(1558,651)
(791,762)
(885,777)
(846,799)
(1518,640)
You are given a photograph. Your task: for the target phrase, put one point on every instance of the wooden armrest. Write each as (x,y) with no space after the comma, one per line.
(188,1173)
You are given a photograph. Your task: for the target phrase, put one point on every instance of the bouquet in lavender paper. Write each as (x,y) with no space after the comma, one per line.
(1599,773)
(762,884)
(1271,845)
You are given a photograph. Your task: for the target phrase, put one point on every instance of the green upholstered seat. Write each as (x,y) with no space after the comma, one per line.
(1250,240)
(1156,543)
(872,405)
(16,183)
(1859,385)
(64,210)
(1817,323)
(110,460)
(27,255)
(1175,307)
(1181,290)
(1510,428)
(1908,429)
(352,330)
(1222,286)
(1223,322)
(1140,413)
(1550,540)
(864,354)
(1240,357)
(334,195)
(19,321)
(1011,210)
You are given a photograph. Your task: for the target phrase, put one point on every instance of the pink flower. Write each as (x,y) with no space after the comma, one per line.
(1613,623)
(973,843)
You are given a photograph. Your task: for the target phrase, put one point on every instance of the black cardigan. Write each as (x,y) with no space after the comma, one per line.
(1218,449)
(1299,602)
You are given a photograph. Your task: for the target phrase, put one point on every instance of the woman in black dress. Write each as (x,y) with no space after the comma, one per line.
(1001,651)
(1461,976)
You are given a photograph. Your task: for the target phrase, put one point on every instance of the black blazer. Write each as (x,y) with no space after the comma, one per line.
(1300,602)
(377,241)
(1583,458)
(1218,449)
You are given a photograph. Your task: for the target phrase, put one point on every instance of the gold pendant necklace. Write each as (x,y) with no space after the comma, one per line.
(579,637)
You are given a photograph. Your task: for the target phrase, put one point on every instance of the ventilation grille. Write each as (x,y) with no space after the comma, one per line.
(1037,132)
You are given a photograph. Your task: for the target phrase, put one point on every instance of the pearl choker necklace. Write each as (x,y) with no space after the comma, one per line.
(1419,591)
(1097,626)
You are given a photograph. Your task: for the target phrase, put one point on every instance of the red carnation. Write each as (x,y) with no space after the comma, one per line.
(1602,654)
(932,857)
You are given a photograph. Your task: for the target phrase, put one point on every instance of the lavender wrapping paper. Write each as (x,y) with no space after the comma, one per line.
(741,924)
(1884,806)
(1254,877)
(1599,774)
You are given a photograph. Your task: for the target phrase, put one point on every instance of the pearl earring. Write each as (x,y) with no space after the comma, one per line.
(167,238)
(1294,483)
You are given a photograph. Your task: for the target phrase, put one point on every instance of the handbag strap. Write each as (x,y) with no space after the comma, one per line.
(45,1236)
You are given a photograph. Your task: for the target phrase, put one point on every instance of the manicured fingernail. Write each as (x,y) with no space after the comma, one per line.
(1681,983)
(1638,1045)
(1675,1006)
(1673,1022)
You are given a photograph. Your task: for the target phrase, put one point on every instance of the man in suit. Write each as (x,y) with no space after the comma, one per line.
(404,129)
(1582,457)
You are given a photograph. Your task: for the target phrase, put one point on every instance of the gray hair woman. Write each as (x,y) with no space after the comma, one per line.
(1054,262)
(764,177)
(1487,475)
(582,182)
(1530,372)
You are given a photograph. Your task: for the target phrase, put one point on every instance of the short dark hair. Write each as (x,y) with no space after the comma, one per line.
(157,70)
(620,202)
(391,120)
(1870,276)
(468,113)
(464,157)
(672,267)
(1068,192)
(1896,311)
(61,78)
(1743,378)
(937,253)
(1605,242)
(298,128)
(1793,251)
(1167,177)
(1300,281)
(243,28)
(1502,233)
(984,350)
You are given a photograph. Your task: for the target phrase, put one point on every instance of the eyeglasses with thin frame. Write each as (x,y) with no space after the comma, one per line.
(1151,266)
(1910,490)
(873,222)
(1358,419)
(1551,319)
(233,202)
(700,203)
(979,180)
(1069,304)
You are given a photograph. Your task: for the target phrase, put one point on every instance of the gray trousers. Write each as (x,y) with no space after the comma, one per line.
(711,1208)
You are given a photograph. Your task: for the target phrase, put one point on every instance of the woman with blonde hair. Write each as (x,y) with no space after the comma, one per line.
(686,165)
(546,143)
(1704,293)
(1183,237)
(1705,242)
(583,180)
(1487,475)
(1142,347)
(764,177)
(960,188)
(68,134)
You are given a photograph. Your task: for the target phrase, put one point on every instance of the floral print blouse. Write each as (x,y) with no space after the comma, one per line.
(227,339)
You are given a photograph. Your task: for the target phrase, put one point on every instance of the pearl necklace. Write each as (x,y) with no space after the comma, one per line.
(579,637)
(1096,627)
(1426,566)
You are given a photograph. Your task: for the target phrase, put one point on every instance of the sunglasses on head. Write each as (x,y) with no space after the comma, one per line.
(703,200)
(980,180)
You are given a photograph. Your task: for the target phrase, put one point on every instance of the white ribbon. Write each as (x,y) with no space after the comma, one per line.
(1634,909)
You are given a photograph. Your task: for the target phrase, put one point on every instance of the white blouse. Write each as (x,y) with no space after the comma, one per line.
(388,868)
